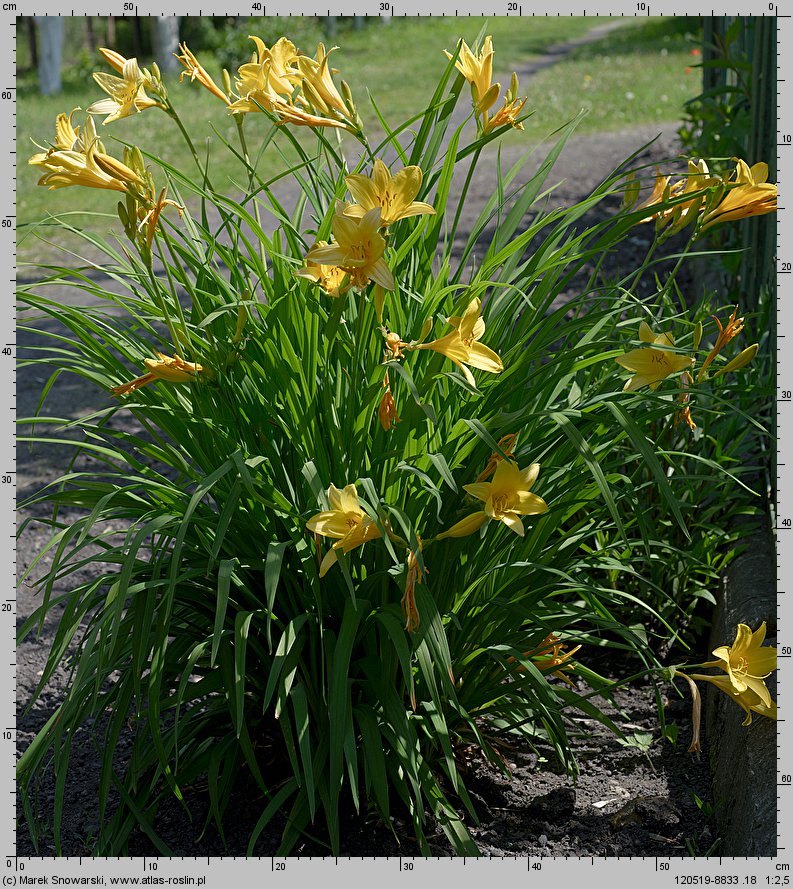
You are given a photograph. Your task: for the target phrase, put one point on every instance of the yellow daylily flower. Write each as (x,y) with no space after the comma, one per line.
(292,86)
(394,195)
(127,93)
(506,498)
(117,62)
(651,366)
(171,370)
(462,346)
(317,84)
(333,280)
(477,69)
(662,191)
(748,195)
(346,521)
(749,700)
(699,178)
(269,79)
(358,250)
(197,72)
(67,138)
(747,662)
(86,166)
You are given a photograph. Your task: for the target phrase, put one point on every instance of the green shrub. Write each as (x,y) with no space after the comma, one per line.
(317,562)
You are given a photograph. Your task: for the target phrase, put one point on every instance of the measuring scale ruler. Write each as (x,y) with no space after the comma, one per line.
(387,872)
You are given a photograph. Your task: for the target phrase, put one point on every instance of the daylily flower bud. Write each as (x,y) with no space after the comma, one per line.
(314,98)
(242,319)
(346,94)
(514,87)
(115,168)
(632,190)
(122,215)
(697,335)
(739,362)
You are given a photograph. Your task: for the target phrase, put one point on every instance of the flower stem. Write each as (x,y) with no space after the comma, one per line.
(239,120)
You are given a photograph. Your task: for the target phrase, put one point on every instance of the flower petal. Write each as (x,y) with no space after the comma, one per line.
(329,524)
(483,358)
(529,475)
(406,185)
(513,522)
(380,273)
(328,562)
(530,504)
(480,490)
(417,208)
(363,190)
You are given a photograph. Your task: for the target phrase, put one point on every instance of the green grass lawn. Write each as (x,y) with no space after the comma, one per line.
(634,75)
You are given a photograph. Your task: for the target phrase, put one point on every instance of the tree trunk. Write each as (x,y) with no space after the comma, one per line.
(30,28)
(111,31)
(90,36)
(137,37)
(165,41)
(50,35)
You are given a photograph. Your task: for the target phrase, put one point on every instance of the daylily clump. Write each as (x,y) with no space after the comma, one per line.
(213,521)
